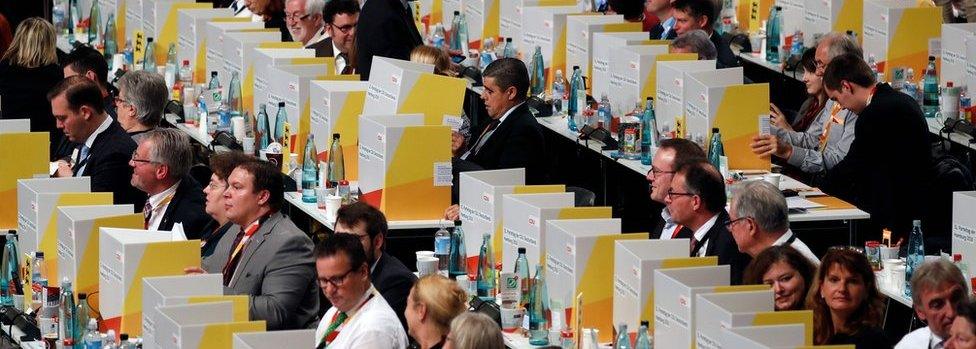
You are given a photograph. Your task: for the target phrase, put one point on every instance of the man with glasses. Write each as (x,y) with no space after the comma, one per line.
(304,21)
(142,97)
(696,200)
(670,152)
(759,218)
(101,149)
(389,275)
(264,255)
(341,18)
(359,316)
(161,168)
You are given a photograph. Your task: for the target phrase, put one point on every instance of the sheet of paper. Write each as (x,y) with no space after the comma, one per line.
(797,202)
(178,233)
(442,174)
(764,124)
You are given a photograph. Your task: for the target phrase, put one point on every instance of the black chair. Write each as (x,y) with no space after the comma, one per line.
(584,197)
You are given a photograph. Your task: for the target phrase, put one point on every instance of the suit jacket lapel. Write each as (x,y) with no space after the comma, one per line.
(252,246)
(502,128)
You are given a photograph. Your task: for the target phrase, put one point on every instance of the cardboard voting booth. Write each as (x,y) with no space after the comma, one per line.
(216,33)
(24,155)
(954,38)
(37,202)
(633,71)
(603,42)
(545,27)
(116,9)
(510,24)
(716,311)
(290,84)
(675,292)
(480,201)
(202,325)
(275,339)
(768,337)
(126,256)
(483,20)
(449,7)
(971,61)
(579,38)
(238,55)
(669,104)
(900,34)
(78,228)
(633,276)
(825,16)
(579,258)
(964,226)
(403,87)
(261,62)
(336,106)
(524,225)
(132,14)
(159,21)
(719,99)
(193,42)
(184,289)
(404,166)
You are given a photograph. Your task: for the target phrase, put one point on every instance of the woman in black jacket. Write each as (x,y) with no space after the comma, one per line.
(28,70)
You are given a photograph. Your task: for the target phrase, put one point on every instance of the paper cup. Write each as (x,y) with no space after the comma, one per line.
(773,178)
(321,196)
(332,204)
(248,144)
(888,253)
(426,266)
(511,319)
(421,254)
(897,279)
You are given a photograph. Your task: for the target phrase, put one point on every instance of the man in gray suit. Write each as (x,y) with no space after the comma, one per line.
(264,255)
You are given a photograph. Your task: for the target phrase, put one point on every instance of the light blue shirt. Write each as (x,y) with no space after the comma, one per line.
(667,25)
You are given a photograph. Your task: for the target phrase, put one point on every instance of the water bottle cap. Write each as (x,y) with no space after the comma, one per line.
(124,336)
(714,129)
(457,13)
(213,73)
(521,250)
(575,67)
(949,84)
(186,62)
(956,257)
(779,8)
(343,182)
(645,323)
(335,136)
(508,39)
(38,254)
(281,104)
(931,58)
(150,39)
(82,295)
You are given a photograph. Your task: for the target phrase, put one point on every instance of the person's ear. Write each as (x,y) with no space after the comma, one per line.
(511,93)
(696,203)
(263,197)
(702,22)
(422,311)
(847,85)
(91,75)
(162,171)
(378,241)
(85,111)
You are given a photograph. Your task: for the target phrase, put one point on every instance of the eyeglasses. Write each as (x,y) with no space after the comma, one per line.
(344,28)
(728,223)
(672,194)
(120,100)
(296,17)
(336,281)
(657,172)
(214,186)
(146,161)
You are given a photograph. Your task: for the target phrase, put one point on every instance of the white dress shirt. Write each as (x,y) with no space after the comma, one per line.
(921,338)
(484,139)
(701,232)
(91,140)
(798,245)
(669,224)
(373,326)
(340,62)
(159,203)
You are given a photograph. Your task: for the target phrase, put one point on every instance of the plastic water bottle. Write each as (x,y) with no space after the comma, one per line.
(957,261)
(538,73)
(125,342)
(10,269)
(509,50)
(930,90)
(485,279)
(649,133)
(605,111)
(310,174)
(522,271)
(129,54)
(559,98)
(82,317)
(437,37)
(234,98)
(773,27)
(487,53)
(910,87)
(38,280)
(643,339)
(280,118)
(797,48)
(455,29)
(214,81)
(111,45)
(58,17)
(727,22)
(94,25)
(461,33)
(93,340)
(337,167)
(715,150)
(539,311)
(623,338)
(442,250)
(66,312)
(459,257)
(916,254)
(149,61)
(574,107)
(263,129)
(873,64)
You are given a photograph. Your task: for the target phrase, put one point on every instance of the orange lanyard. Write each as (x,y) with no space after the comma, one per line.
(833,119)
(251,229)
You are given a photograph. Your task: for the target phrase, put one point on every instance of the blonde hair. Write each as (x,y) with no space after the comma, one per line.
(34,44)
(443,297)
(434,56)
(475,331)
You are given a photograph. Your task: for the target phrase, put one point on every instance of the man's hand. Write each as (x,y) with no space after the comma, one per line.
(193,271)
(64,169)
(766,145)
(777,118)
(452,212)
(457,140)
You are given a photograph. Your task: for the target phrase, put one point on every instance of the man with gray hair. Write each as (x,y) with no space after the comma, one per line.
(304,20)
(160,168)
(142,97)
(695,41)
(759,218)
(937,287)
(829,137)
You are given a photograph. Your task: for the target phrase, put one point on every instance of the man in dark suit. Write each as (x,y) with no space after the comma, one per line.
(700,14)
(103,148)
(264,255)
(669,154)
(888,169)
(662,9)
(696,200)
(390,277)
(161,168)
(304,20)
(513,138)
(341,18)
(389,32)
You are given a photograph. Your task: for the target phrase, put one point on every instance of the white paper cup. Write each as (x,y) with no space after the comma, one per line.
(897,279)
(248,144)
(757,42)
(426,266)
(321,197)
(421,254)
(332,204)
(511,319)
(888,253)
(773,178)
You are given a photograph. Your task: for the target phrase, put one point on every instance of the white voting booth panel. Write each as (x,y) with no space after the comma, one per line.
(629,66)
(192,41)
(290,84)
(764,337)
(390,80)
(238,44)
(263,63)
(216,33)
(164,290)
(698,111)
(669,104)
(602,45)
(275,339)
(133,15)
(964,226)
(524,224)
(970,71)
(674,301)
(78,243)
(579,38)
(954,59)
(201,325)
(29,202)
(715,311)
(545,27)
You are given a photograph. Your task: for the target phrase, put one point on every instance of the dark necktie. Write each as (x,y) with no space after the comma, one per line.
(483,138)
(347,69)
(234,258)
(147,214)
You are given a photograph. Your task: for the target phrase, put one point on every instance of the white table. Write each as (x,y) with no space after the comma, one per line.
(935,126)
(892,293)
(312,210)
(755,58)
